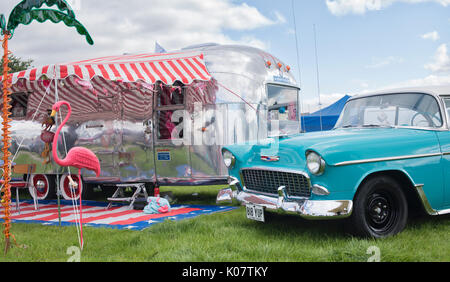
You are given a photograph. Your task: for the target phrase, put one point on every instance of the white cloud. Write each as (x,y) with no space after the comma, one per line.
(441,76)
(430,80)
(379,63)
(441,60)
(135,26)
(252,41)
(434,35)
(343,7)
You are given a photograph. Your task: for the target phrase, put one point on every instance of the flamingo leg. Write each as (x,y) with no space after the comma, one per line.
(74,184)
(81,211)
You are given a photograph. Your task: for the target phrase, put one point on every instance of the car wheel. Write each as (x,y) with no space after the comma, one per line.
(380,209)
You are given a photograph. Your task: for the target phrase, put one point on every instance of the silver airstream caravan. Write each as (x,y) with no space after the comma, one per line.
(152,118)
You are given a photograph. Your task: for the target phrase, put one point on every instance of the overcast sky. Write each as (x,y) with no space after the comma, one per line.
(362,44)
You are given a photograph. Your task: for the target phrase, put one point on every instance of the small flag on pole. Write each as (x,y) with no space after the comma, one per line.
(159,48)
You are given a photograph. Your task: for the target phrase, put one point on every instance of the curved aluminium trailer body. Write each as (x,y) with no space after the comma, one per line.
(155,117)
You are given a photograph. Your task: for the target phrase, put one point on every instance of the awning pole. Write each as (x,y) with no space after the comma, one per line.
(58,188)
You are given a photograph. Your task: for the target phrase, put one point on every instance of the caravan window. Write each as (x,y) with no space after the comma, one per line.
(171,95)
(169,111)
(283,110)
(19,105)
(170,125)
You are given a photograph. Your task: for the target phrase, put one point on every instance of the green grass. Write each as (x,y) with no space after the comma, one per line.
(231,237)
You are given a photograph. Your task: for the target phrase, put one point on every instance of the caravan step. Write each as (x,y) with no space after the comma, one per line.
(120,199)
(140,193)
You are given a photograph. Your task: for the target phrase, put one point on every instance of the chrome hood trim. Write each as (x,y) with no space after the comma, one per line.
(388,159)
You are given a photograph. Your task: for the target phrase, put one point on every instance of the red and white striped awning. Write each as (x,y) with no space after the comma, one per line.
(97,87)
(185,67)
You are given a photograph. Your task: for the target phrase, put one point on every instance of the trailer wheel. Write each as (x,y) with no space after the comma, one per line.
(66,189)
(44,189)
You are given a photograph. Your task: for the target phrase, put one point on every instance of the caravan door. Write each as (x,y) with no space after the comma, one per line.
(135,153)
(171,154)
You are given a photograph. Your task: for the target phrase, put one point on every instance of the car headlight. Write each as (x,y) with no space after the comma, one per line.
(315,163)
(228,159)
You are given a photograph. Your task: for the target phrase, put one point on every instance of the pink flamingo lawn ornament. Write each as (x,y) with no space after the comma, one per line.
(78,157)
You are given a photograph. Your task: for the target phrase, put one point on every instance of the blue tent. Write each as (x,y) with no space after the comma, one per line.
(329,116)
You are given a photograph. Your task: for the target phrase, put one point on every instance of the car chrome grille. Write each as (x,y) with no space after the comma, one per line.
(268,181)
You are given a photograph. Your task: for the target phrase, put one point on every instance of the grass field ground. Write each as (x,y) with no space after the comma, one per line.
(231,237)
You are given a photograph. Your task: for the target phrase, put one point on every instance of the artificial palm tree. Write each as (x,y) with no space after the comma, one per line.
(24,13)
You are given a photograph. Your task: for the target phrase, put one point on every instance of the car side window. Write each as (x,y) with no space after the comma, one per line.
(409,117)
(447,105)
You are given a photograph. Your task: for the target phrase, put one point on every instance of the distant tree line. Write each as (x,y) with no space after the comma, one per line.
(17,64)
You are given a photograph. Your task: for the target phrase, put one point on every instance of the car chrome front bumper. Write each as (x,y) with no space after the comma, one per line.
(308,209)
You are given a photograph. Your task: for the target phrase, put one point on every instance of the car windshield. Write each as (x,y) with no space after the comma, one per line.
(392,110)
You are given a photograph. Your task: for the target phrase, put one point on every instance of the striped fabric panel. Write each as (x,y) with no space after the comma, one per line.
(95,214)
(185,67)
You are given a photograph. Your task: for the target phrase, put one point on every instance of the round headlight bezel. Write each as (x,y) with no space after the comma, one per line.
(315,163)
(228,158)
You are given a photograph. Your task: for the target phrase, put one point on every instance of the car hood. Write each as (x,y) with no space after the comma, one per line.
(341,145)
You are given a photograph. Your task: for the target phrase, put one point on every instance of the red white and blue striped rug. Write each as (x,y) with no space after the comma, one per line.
(96,215)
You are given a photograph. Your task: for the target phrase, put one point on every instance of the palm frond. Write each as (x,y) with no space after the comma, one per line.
(42,15)
(2,23)
(27,6)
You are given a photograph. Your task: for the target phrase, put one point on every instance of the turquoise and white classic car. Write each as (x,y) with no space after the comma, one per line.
(388,156)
